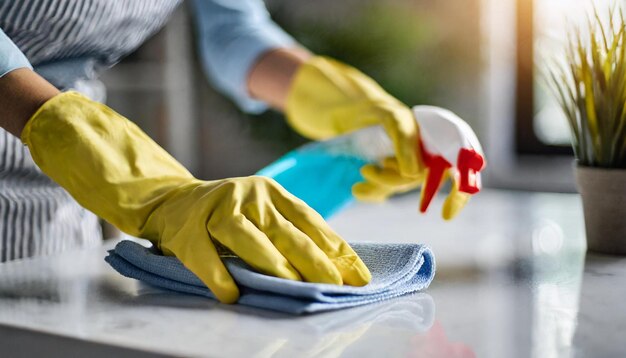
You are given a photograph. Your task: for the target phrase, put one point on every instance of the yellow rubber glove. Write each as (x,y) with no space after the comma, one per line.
(328,98)
(383,181)
(115,170)
(455,202)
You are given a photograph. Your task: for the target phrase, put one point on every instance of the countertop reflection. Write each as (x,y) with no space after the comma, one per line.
(512,281)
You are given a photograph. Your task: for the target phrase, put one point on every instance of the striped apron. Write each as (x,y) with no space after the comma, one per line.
(68,42)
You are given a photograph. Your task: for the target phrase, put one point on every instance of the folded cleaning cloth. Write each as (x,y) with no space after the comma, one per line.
(397,269)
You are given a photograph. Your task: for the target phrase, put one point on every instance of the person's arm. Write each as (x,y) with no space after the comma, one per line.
(22,91)
(271,75)
(244,53)
(113,169)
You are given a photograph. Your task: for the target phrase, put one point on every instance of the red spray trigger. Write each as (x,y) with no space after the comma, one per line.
(469,163)
(437,165)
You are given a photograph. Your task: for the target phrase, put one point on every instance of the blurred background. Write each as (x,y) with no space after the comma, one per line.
(475,57)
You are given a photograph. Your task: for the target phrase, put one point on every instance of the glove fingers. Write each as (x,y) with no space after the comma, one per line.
(300,250)
(402,129)
(390,178)
(382,182)
(353,270)
(245,240)
(208,267)
(368,192)
(455,201)
(390,163)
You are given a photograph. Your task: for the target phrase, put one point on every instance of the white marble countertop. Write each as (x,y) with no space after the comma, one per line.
(512,280)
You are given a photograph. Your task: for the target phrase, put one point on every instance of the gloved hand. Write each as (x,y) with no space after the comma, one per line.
(382,182)
(328,98)
(115,170)
(449,149)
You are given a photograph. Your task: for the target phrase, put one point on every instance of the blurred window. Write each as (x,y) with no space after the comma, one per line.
(420,51)
(543,27)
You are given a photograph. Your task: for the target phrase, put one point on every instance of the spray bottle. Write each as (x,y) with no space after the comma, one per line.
(322,173)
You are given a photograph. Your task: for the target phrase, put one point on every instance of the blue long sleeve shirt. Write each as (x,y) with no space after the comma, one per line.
(231,37)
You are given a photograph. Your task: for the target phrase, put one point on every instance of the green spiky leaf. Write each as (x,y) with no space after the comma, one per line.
(591,90)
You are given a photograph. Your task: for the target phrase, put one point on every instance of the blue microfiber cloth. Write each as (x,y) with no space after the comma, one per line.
(397,269)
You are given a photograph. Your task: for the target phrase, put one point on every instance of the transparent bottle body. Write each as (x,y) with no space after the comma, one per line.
(322,173)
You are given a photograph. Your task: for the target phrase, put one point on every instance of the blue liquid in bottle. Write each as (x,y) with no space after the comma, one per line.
(322,173)
(321,180)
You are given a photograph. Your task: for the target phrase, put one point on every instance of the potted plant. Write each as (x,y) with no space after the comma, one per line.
(590,86)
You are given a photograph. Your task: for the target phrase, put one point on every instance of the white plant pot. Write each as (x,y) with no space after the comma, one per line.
(603,194)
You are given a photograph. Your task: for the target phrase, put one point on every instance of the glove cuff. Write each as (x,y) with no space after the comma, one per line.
(103,160)
(328,98)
